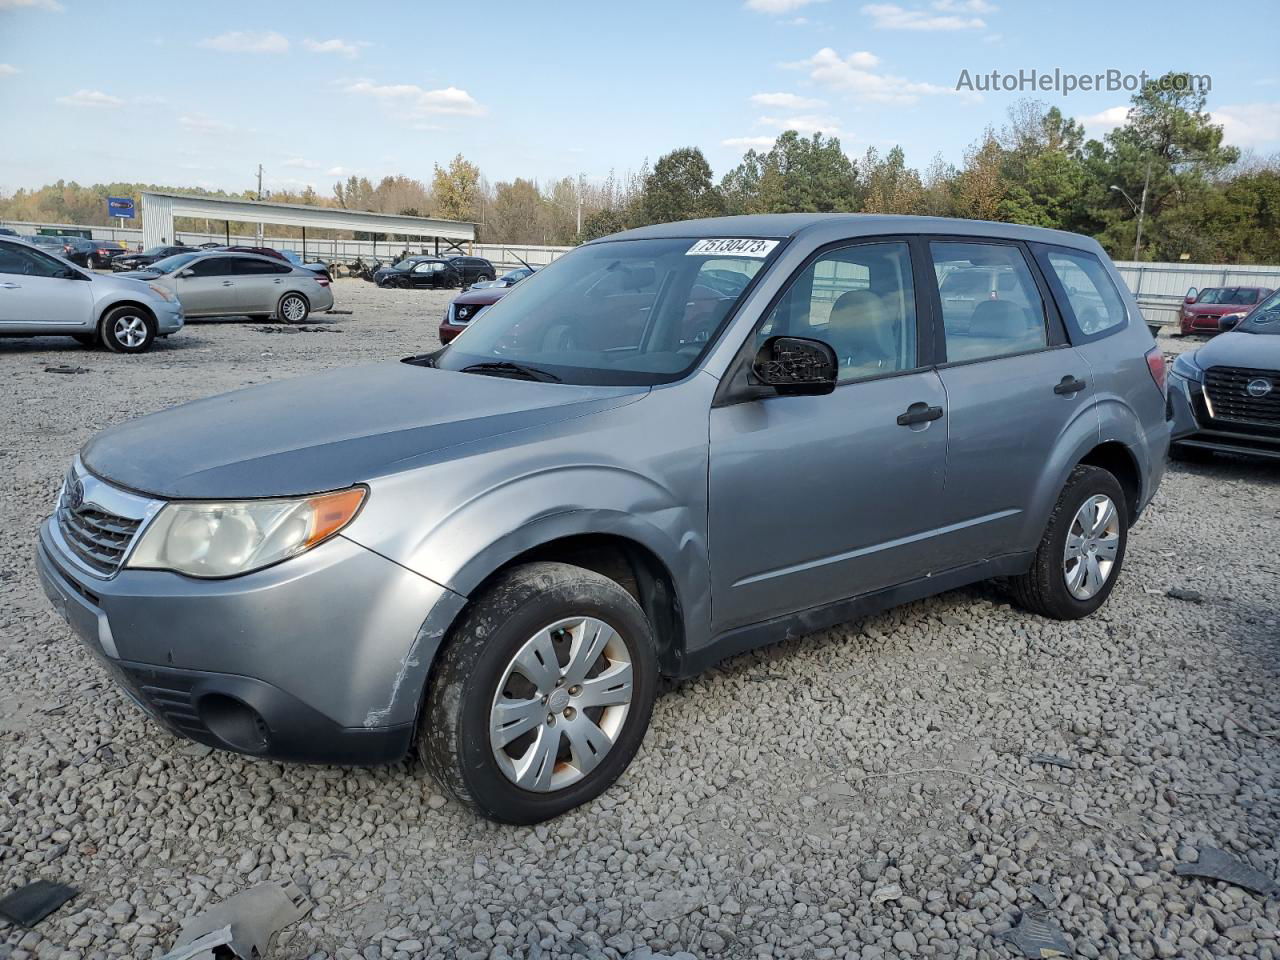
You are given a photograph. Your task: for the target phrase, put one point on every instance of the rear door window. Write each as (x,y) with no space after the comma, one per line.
(1085,292)
(1002,315)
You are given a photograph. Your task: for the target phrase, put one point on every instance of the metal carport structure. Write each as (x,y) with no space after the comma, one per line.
(159,209)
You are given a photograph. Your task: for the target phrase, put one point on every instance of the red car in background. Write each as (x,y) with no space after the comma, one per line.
(1202,311)
(465,307)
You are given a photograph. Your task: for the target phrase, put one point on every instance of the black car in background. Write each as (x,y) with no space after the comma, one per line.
(473,269)
(92,254)
(136,261)
(434,272)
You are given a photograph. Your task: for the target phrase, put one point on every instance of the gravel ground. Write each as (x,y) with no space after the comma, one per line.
(867,791)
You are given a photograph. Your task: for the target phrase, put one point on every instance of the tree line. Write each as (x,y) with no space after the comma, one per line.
(1200,199)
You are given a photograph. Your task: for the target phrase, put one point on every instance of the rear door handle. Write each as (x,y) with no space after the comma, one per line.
(1069,385)
(919,413)
(10,286)
(228,283)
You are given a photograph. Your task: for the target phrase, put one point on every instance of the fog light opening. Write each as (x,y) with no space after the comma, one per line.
(235,723)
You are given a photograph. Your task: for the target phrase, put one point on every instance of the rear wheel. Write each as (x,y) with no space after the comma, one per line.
(542,695)
(293,308)
(127,330)
(1080,555)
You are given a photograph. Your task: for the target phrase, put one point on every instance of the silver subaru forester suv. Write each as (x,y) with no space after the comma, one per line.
(669,446)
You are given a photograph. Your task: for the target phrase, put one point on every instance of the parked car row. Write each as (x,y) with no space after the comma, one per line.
(43,294)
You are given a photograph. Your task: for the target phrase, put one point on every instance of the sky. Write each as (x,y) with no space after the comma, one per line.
(198,95)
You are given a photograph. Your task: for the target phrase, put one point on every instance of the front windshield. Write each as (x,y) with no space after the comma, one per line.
(618,312)
(169,264)
(1265,318)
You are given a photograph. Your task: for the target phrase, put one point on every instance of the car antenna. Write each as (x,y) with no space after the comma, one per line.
(521,259)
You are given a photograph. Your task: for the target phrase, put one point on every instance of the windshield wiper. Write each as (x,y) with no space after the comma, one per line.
(505,368)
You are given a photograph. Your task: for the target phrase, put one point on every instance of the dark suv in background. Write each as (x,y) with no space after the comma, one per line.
(473,269)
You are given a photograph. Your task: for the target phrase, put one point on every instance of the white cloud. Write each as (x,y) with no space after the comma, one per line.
(965,6)
(53,5)
(199,123)
(448,100)
(890,16)
(805,124)
(342,172)
(1249,124)
(787,101)
(777,6)
(748,142)
(343,48)
(237,41)
(855,75)
(1105,121)
(300,163)
(8,70)
(91,98)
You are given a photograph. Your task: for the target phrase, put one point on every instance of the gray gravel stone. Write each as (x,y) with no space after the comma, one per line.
(773,796)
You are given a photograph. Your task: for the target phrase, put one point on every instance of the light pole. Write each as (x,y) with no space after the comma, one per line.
(1139,209)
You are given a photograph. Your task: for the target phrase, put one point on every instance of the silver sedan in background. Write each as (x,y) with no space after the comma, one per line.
(239,284)
(44,295)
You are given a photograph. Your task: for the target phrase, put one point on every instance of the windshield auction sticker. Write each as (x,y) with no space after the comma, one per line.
(731,248)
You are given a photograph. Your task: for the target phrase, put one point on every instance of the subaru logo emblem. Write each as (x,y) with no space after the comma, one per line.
(75,493)
(1258,388)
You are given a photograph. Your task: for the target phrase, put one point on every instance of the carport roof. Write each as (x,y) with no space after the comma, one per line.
(302,215)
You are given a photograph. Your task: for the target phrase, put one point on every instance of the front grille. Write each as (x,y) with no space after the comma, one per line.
(464,313)
(1227,389)
(98,539)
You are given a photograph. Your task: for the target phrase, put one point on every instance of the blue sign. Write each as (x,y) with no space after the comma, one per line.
(120,207)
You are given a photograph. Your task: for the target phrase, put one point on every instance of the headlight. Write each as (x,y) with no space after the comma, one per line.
(161,292)
(224,539)
(1186,367)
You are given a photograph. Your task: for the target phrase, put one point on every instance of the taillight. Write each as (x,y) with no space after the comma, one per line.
(322,281)
(1156,364)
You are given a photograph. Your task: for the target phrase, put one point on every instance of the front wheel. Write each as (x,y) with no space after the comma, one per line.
(1079,558)
(127,330)
(542,695)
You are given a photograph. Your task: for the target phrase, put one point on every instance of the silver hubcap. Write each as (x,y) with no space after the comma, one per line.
(293,309)
(130,331)
(561,704)
(1093,543)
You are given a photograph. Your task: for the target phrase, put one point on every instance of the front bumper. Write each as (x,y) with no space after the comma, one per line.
(1194,427)
(169,317)
(320,659)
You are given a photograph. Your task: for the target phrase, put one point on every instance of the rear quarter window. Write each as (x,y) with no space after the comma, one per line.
(1090,302)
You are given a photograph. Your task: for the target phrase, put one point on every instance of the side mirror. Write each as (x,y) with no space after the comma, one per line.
(188,272)
(1191,295)
(1230,321)
(796,366)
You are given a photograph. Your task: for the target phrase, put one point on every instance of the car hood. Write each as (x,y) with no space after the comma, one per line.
(484,297)
(1259,351)
(327,431)
(1219,309)
(138,274)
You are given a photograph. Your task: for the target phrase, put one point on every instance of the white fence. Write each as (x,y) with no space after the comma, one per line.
(1158,287)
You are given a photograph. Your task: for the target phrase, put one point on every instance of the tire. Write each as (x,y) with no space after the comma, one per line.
(293,308)
(89,341)
(127,330)
(1046,588)
(524,607)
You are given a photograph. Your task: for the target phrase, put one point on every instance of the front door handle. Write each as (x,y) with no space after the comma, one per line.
(10,286)
(1069,385)
(228,283)
(919,413)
